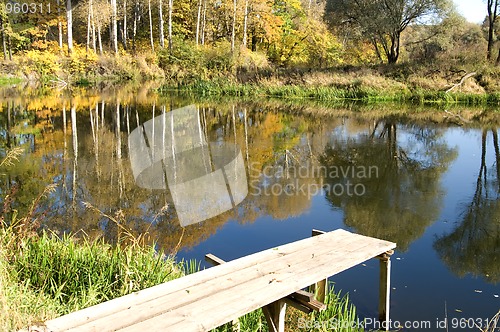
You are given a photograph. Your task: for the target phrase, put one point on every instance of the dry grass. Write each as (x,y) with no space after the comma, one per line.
(493,324)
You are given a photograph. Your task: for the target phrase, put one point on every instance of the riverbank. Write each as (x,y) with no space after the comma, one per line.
(39,279)
(218,72)
(355,84)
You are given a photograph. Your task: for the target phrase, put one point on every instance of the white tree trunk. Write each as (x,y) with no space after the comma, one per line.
(99,39)
(89,25)
(162,37)
(93,31)
(114,27)
(151,27)
(233,28)
(198,20)
(170,8)
(59,25)
(69,18)
(245,24)
(203,22)
(125,24)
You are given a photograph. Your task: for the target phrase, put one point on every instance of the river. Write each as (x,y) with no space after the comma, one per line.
(232,177)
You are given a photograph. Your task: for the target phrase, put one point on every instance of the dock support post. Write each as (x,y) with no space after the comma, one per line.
(385,289)
(319,288)
(275,316)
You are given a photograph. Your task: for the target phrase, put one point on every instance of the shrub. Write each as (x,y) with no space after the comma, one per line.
(43,64)
(186,61)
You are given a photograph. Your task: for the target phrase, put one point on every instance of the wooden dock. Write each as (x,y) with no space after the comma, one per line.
(212,297)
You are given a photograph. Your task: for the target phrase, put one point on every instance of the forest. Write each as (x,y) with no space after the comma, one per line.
(422,44)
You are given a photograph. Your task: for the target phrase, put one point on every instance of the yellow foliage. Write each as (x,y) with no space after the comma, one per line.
(42,63)
(81,60)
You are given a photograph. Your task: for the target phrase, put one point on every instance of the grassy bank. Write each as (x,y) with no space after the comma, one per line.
(42,277)
(355,90)
(217,71)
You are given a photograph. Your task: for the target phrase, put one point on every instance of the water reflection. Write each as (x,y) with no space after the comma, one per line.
(84,143)
(405,195)
(474,245)
(171,151)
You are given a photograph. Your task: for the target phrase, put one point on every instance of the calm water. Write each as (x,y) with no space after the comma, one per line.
(232,178)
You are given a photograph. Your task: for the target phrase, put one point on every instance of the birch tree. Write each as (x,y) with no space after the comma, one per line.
(151,40)
(162,36)
(170,8)
(69,22)
(114,27)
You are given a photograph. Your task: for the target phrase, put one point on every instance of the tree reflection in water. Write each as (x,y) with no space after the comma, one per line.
(474,246)
(405,196)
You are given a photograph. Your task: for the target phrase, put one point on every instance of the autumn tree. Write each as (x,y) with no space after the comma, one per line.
(69,25)
(492,7)
(114,28)
(454,40)
(383,21)
(3,19)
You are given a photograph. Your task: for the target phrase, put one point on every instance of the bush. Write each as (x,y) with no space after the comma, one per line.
(186,61)
(43,64)
(220,59)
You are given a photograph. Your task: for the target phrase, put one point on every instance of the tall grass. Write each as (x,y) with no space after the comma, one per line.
(367,94)
(51,276)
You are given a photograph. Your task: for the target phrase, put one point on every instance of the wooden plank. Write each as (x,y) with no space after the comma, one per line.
(238,296)
(123,303)
(301,300)
(231,282)
(214,260)
(303,296)
(211,312)
(275,315)
(321,287)
(385,290)
(316,232)
(171,300)
(208,307)
(305,306)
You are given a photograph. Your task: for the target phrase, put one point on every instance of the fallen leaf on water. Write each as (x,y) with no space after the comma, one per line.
(458,310)
(478,291)
(495,295)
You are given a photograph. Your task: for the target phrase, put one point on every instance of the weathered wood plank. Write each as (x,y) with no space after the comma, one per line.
(193,292)
(301,300)
(321,287)
(233,283)
(150,294)
(385,288)
(249,283)
(275,316)
(210,312)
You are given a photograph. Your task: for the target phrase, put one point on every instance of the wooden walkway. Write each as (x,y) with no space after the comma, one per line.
(212,297)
